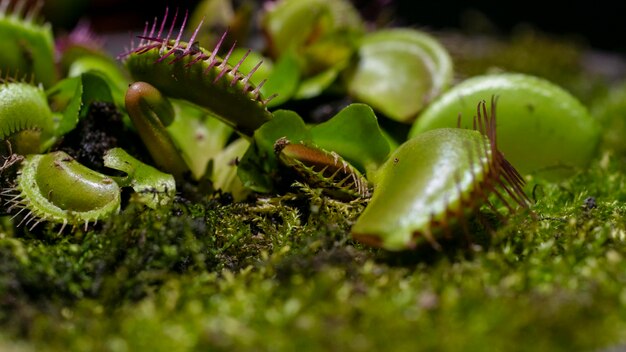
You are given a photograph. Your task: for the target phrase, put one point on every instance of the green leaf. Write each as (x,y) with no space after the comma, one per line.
(198,135)
(71,97)
(65,99)
(259,164)
(224,173)
(152,187)
(105,68)
(283,80)
(355,135)
(95,88)
(295,24)
(284,124)
(314,86)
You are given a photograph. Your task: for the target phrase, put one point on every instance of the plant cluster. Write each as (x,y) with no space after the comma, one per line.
(190,155)
(182,92)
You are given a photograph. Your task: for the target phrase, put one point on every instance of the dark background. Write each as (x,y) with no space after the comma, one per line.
(602,24)
(599,23)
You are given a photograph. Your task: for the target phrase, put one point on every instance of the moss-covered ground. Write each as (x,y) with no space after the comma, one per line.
(283,274)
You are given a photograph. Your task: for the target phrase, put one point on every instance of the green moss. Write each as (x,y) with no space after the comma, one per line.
(282,274)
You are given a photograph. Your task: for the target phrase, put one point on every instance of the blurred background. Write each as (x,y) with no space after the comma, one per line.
(599,24)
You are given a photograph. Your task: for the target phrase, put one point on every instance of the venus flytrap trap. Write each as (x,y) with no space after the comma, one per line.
(399,71)
(55,188)
(25,117)
(301,25)
(432,181)
(318,35)
(321,169)
(184,70)
(51,187)
(27,45)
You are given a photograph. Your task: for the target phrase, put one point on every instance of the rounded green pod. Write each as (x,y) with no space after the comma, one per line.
(543,130)
(399,71)
(432,181)
(56,188)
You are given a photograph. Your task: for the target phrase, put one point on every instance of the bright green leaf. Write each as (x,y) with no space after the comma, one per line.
(355,135)
(314,86)
(259,164)
(283,80)
(152,187)
(66,99)
(95,88)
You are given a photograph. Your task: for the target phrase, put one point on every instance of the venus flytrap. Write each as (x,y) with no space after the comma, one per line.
(54,187)
(396,71)
(319,35)
(51,187)
(321,154)
(57,189)
(542,129)
(301,25)
(27,45)
(25,117)
(434,180)
(184,70)
(322,169)
(448,173)
(293,240)
(399,72)
(475,167)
